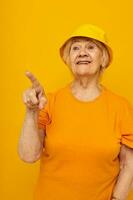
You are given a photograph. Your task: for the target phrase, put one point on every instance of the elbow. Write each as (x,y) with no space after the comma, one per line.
(29,159)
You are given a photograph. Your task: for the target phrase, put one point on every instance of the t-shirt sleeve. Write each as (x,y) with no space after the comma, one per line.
(126,123)
(45,114)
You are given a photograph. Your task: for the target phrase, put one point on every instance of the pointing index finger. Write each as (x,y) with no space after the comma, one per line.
(33,79)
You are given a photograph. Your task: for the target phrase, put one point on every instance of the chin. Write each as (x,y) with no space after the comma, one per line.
(83,73)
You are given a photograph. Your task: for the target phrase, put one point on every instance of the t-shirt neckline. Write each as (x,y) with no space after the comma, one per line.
(100,96)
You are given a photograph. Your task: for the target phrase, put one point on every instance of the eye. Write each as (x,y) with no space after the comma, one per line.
(90,47)
(75,48)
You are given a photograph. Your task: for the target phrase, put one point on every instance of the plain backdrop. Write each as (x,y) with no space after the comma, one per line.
(31,34)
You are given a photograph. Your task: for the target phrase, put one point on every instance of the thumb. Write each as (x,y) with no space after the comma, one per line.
(42,101)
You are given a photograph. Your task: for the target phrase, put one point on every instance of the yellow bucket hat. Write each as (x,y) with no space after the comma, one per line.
(91,31)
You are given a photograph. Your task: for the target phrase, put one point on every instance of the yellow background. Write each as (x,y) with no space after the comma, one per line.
(31,33)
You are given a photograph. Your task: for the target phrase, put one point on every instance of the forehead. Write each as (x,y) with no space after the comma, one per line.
(81,39)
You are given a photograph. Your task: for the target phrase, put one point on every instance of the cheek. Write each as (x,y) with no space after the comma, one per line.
(72,57)
(97,56)
(71,61)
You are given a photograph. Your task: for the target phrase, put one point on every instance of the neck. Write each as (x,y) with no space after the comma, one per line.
(85,83)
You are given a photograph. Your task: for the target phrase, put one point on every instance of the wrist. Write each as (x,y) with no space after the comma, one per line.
(32,113)
(32,110)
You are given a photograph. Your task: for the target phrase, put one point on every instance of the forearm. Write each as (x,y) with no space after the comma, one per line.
(123,184)
(30,145)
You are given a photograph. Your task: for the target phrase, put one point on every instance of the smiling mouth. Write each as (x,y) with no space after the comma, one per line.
(83,62)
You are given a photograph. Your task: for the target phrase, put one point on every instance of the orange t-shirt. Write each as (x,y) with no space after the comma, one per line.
(83,139)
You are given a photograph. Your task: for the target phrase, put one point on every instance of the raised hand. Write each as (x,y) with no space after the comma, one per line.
(34,98)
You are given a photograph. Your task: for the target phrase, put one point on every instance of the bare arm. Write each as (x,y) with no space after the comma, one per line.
(31,140)
(30,146)
(125,179)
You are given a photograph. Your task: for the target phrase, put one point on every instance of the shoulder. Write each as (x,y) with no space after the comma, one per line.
(117,103)
(117,99)
(57,93)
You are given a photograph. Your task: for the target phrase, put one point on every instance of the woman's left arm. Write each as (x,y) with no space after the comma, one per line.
(125,179)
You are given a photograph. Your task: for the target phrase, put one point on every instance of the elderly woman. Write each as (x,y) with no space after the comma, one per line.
(83,132)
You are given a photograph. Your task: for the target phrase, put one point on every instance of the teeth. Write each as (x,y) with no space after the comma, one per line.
(84,62)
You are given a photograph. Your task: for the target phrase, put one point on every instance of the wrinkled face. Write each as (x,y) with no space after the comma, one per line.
(85,57)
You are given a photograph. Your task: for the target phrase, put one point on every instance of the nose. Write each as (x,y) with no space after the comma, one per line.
(83,53)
